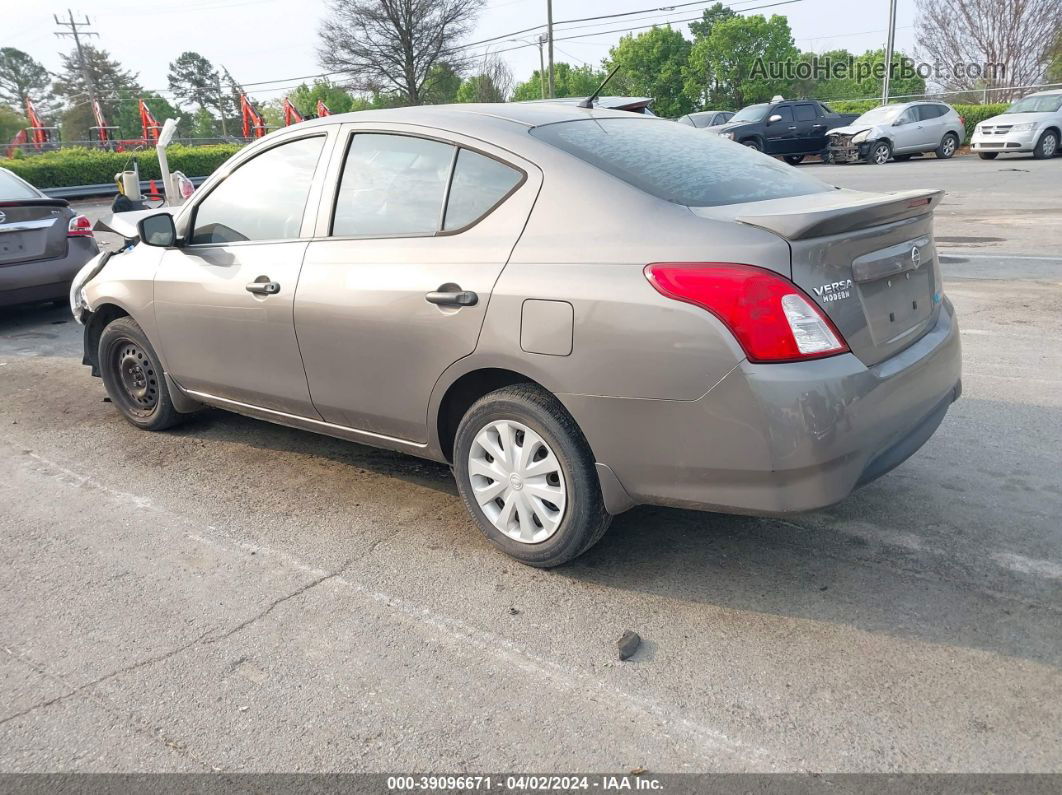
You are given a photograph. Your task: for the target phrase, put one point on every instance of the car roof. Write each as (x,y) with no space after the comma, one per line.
(469,116)
(1046,93)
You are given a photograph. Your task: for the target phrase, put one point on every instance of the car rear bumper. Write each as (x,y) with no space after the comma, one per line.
(46,279)
(781,438)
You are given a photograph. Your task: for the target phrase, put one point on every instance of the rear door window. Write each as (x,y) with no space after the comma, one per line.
(392,185)
(678,163)
(805,112)
(479,184)
(927,112)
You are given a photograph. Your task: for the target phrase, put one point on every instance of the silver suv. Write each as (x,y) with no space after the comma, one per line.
(898,132)
(579,310)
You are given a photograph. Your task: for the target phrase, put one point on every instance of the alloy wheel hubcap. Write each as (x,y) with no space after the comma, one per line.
(517,481)
(1049,145)
(949,146)
(881,155)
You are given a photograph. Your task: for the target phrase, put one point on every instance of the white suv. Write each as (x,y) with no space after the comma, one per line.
(1032,124)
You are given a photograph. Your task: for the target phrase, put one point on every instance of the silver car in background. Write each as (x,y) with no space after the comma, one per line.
(898,132)
(580,310)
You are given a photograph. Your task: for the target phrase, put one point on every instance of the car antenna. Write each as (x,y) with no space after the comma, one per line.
(589,101)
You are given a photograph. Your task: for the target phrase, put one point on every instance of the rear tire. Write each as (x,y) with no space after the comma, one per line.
(1046,146)
(518,449)
(988,155)
(879,153)
(794,160)
(134,378)
(949,144)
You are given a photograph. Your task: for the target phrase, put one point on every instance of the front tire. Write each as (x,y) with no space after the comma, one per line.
(794,160)
(948,146)
(1046,146)
(879,153)
(988,155)
(134,378)
(527,476)
(752,143)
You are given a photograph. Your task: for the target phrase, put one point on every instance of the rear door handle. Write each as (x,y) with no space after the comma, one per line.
(452,295)
(263,288)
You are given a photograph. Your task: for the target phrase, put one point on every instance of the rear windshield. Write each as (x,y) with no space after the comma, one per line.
(678,163)
(14,189)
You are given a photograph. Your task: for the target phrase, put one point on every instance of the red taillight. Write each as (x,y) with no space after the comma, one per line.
(772,318)
(79,226)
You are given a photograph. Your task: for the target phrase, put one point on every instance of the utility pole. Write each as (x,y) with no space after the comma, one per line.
(76,34)
(542,64)
(221,107)
(888,52)
(549,31)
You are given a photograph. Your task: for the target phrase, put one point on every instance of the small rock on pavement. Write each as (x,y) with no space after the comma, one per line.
(628,644)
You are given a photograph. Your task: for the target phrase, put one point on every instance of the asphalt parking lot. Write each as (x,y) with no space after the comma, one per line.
(238,596)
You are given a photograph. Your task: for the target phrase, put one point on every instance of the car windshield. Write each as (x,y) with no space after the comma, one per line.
(1044,103)
(882,115)
(678,163)
(751,113)
(14,189)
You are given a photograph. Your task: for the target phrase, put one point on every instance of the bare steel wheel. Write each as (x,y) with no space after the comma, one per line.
(527,476)
(133,376)
(517,481)
(140,381)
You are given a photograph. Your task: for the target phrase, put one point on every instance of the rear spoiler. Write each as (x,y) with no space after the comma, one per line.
(841,213)
(43,202)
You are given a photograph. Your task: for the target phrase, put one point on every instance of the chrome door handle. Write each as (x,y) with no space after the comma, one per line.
(263,288)
(452,297)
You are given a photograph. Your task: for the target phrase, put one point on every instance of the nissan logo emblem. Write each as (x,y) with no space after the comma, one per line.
(3,216)
(916,256)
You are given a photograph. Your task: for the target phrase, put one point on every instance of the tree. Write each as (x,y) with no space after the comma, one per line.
(492,84)
(10,124)
(838,74)
(568,81)
(991,42)
(703,27)
(392,45)
(22,78)
(1054,61)
(112,85)
(194,81)
(651,64)
(338,100)
(442,84)
(726,68)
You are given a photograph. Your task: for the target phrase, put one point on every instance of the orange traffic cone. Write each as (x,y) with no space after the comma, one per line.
(152,190)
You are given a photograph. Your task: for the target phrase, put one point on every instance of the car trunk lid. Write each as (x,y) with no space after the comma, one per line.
(868,260)
(32,229)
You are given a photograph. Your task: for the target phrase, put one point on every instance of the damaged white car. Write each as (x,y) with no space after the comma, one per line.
(898,132)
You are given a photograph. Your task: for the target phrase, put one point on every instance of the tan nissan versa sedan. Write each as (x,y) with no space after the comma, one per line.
(580,310)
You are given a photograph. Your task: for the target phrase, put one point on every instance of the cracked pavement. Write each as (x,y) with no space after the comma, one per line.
(235,596)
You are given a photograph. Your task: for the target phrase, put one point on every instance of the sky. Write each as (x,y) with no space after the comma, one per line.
(274,40)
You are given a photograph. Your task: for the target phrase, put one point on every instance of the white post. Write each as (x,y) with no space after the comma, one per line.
(169,127)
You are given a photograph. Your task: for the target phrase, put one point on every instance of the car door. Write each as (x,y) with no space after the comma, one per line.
(932,120)
(780,137)
(224,299)
(811,137)
(414,232)
(906,131)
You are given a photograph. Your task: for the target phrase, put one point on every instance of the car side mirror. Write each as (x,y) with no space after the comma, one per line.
(774,117)
(157,230)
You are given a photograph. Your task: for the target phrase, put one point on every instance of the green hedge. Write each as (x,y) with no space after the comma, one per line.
(972,114)
(68,167)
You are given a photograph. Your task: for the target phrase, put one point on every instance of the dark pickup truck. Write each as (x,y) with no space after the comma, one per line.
(790,128)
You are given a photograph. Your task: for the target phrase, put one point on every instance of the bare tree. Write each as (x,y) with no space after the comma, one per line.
(493,82)
(1015,34)
(391,45)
